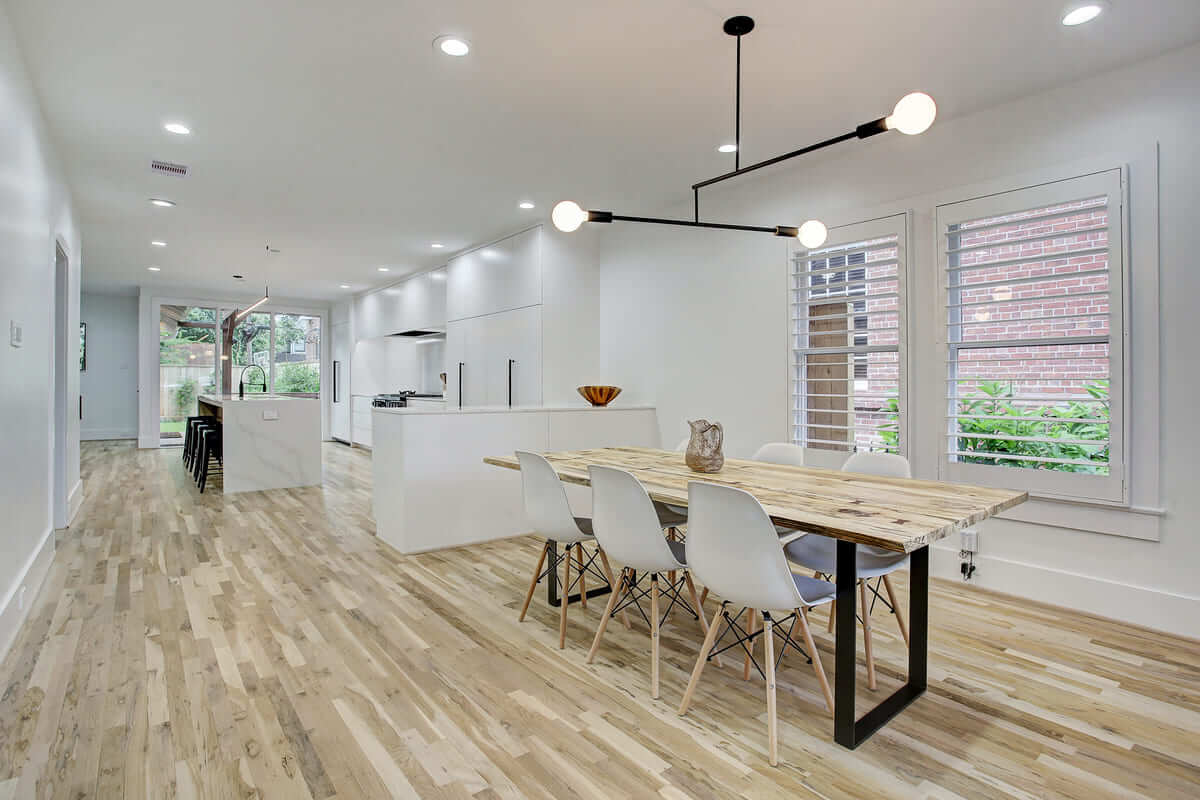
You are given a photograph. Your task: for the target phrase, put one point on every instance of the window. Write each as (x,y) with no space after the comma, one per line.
(297,354)
(1034,344)
(847,371)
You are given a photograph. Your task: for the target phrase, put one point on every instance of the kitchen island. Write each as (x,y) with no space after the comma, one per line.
(432,489)
(269,441)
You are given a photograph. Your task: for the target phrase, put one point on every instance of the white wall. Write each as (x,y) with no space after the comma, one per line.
(35,212)
(109,384)
(695,321)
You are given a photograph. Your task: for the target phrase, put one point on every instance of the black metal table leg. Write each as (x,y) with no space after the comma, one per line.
(552,581)
(847,730)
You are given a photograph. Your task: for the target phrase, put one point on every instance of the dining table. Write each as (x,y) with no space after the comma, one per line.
(902,515)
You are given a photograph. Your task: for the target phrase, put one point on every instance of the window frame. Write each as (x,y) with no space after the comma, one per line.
(897,225)
(1111,488)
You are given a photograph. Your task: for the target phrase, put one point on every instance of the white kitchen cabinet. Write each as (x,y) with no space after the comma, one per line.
(417,303)
(360,428)
(499,277)
(484,347)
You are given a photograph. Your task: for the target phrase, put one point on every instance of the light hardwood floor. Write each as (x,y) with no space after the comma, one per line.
(268,645)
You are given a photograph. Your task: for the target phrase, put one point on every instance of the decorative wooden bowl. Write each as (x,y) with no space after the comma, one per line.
(599,395)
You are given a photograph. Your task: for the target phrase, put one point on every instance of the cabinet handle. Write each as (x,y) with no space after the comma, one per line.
(511,361)
(461,364)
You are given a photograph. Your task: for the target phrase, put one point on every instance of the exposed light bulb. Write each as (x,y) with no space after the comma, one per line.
(567,216)
(158,243)
(727,148)
(913,114)
(177,128)
(526,205)
(437,245)
(812,234)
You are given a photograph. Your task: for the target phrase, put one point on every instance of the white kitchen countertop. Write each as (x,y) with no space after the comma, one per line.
(222,400)
(449,409)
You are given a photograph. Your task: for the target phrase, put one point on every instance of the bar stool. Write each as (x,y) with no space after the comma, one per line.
(626,526)
(198,428)
(190,440)
(732,547)
(210,450)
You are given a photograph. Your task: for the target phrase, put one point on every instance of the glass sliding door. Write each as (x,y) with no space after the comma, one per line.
(187,365)
(246,351)
(297,360)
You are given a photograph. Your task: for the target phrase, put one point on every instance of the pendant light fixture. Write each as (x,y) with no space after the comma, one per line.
(913,114)
(266,292)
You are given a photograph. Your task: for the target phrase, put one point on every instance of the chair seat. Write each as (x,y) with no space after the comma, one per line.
(585,531)
(819,553)
(670,516)
(813,590)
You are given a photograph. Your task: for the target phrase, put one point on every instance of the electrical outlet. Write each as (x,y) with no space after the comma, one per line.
(16,334)
(270,413)
(970,541)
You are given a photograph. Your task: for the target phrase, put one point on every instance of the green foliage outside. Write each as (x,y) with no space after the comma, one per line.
(185,397)
(996,399)
(297,378)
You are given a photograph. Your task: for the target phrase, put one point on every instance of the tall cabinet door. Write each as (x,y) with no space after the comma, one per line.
(339,421)
(514,336)
(456,354)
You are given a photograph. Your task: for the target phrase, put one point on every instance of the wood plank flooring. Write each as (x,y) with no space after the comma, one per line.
(268,645)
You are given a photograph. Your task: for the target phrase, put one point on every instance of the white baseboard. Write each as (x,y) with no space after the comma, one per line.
(31,576)
(1170,612)
(74,501)
(106,434)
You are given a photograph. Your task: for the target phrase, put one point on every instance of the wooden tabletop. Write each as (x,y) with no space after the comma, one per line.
(898,514)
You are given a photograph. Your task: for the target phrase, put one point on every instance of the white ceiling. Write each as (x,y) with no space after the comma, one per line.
(335,132)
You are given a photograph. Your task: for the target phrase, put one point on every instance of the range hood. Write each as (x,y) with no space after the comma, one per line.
(421,333)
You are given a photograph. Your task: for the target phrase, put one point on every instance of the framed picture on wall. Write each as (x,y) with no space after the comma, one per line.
(82,346)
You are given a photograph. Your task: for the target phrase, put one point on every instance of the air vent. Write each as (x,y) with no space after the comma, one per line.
(169,168)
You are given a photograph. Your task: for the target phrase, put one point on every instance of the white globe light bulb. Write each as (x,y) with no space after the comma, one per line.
(567,216)
(913,114)
(812,234)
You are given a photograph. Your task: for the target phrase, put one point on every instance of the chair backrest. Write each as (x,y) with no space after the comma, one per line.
(781,453)
(885,465)
(625,523)
(546,505)
(733,548)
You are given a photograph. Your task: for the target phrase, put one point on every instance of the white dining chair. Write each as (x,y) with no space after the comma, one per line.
(627,528)
(819,553)
(780,453)
(673,517)
(549,514)
(732,547)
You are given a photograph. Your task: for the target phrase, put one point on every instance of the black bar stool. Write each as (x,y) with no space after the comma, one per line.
(189,439)
(210,451)
(198,427)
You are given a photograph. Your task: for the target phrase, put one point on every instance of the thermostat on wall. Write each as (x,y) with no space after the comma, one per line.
(16,335)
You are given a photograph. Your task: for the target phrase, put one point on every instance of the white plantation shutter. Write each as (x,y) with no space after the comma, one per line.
(1032,286)
(848,317)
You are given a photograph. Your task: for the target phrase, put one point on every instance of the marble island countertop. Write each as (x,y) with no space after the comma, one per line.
(220,400)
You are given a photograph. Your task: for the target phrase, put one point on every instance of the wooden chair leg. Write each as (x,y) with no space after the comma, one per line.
(772,722)
(672,535)
(811,647)
(582,579)
(612,603)
(703,595)
(832,615)
(654,636)
(687,577)
(564,596)
(866,622)
(533,582)
(609,574)
(750,644)
(887,584)
(701,660)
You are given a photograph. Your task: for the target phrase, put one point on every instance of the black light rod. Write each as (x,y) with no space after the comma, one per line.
(778,230)
(835,140)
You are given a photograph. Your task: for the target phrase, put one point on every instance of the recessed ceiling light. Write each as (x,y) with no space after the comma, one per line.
(158,201)
(158,243)
(384,269)
(343,285)
(727,148)
(437,245)
(1080,12)
(177,128)
(154,269)
(527,205)
(452,45)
